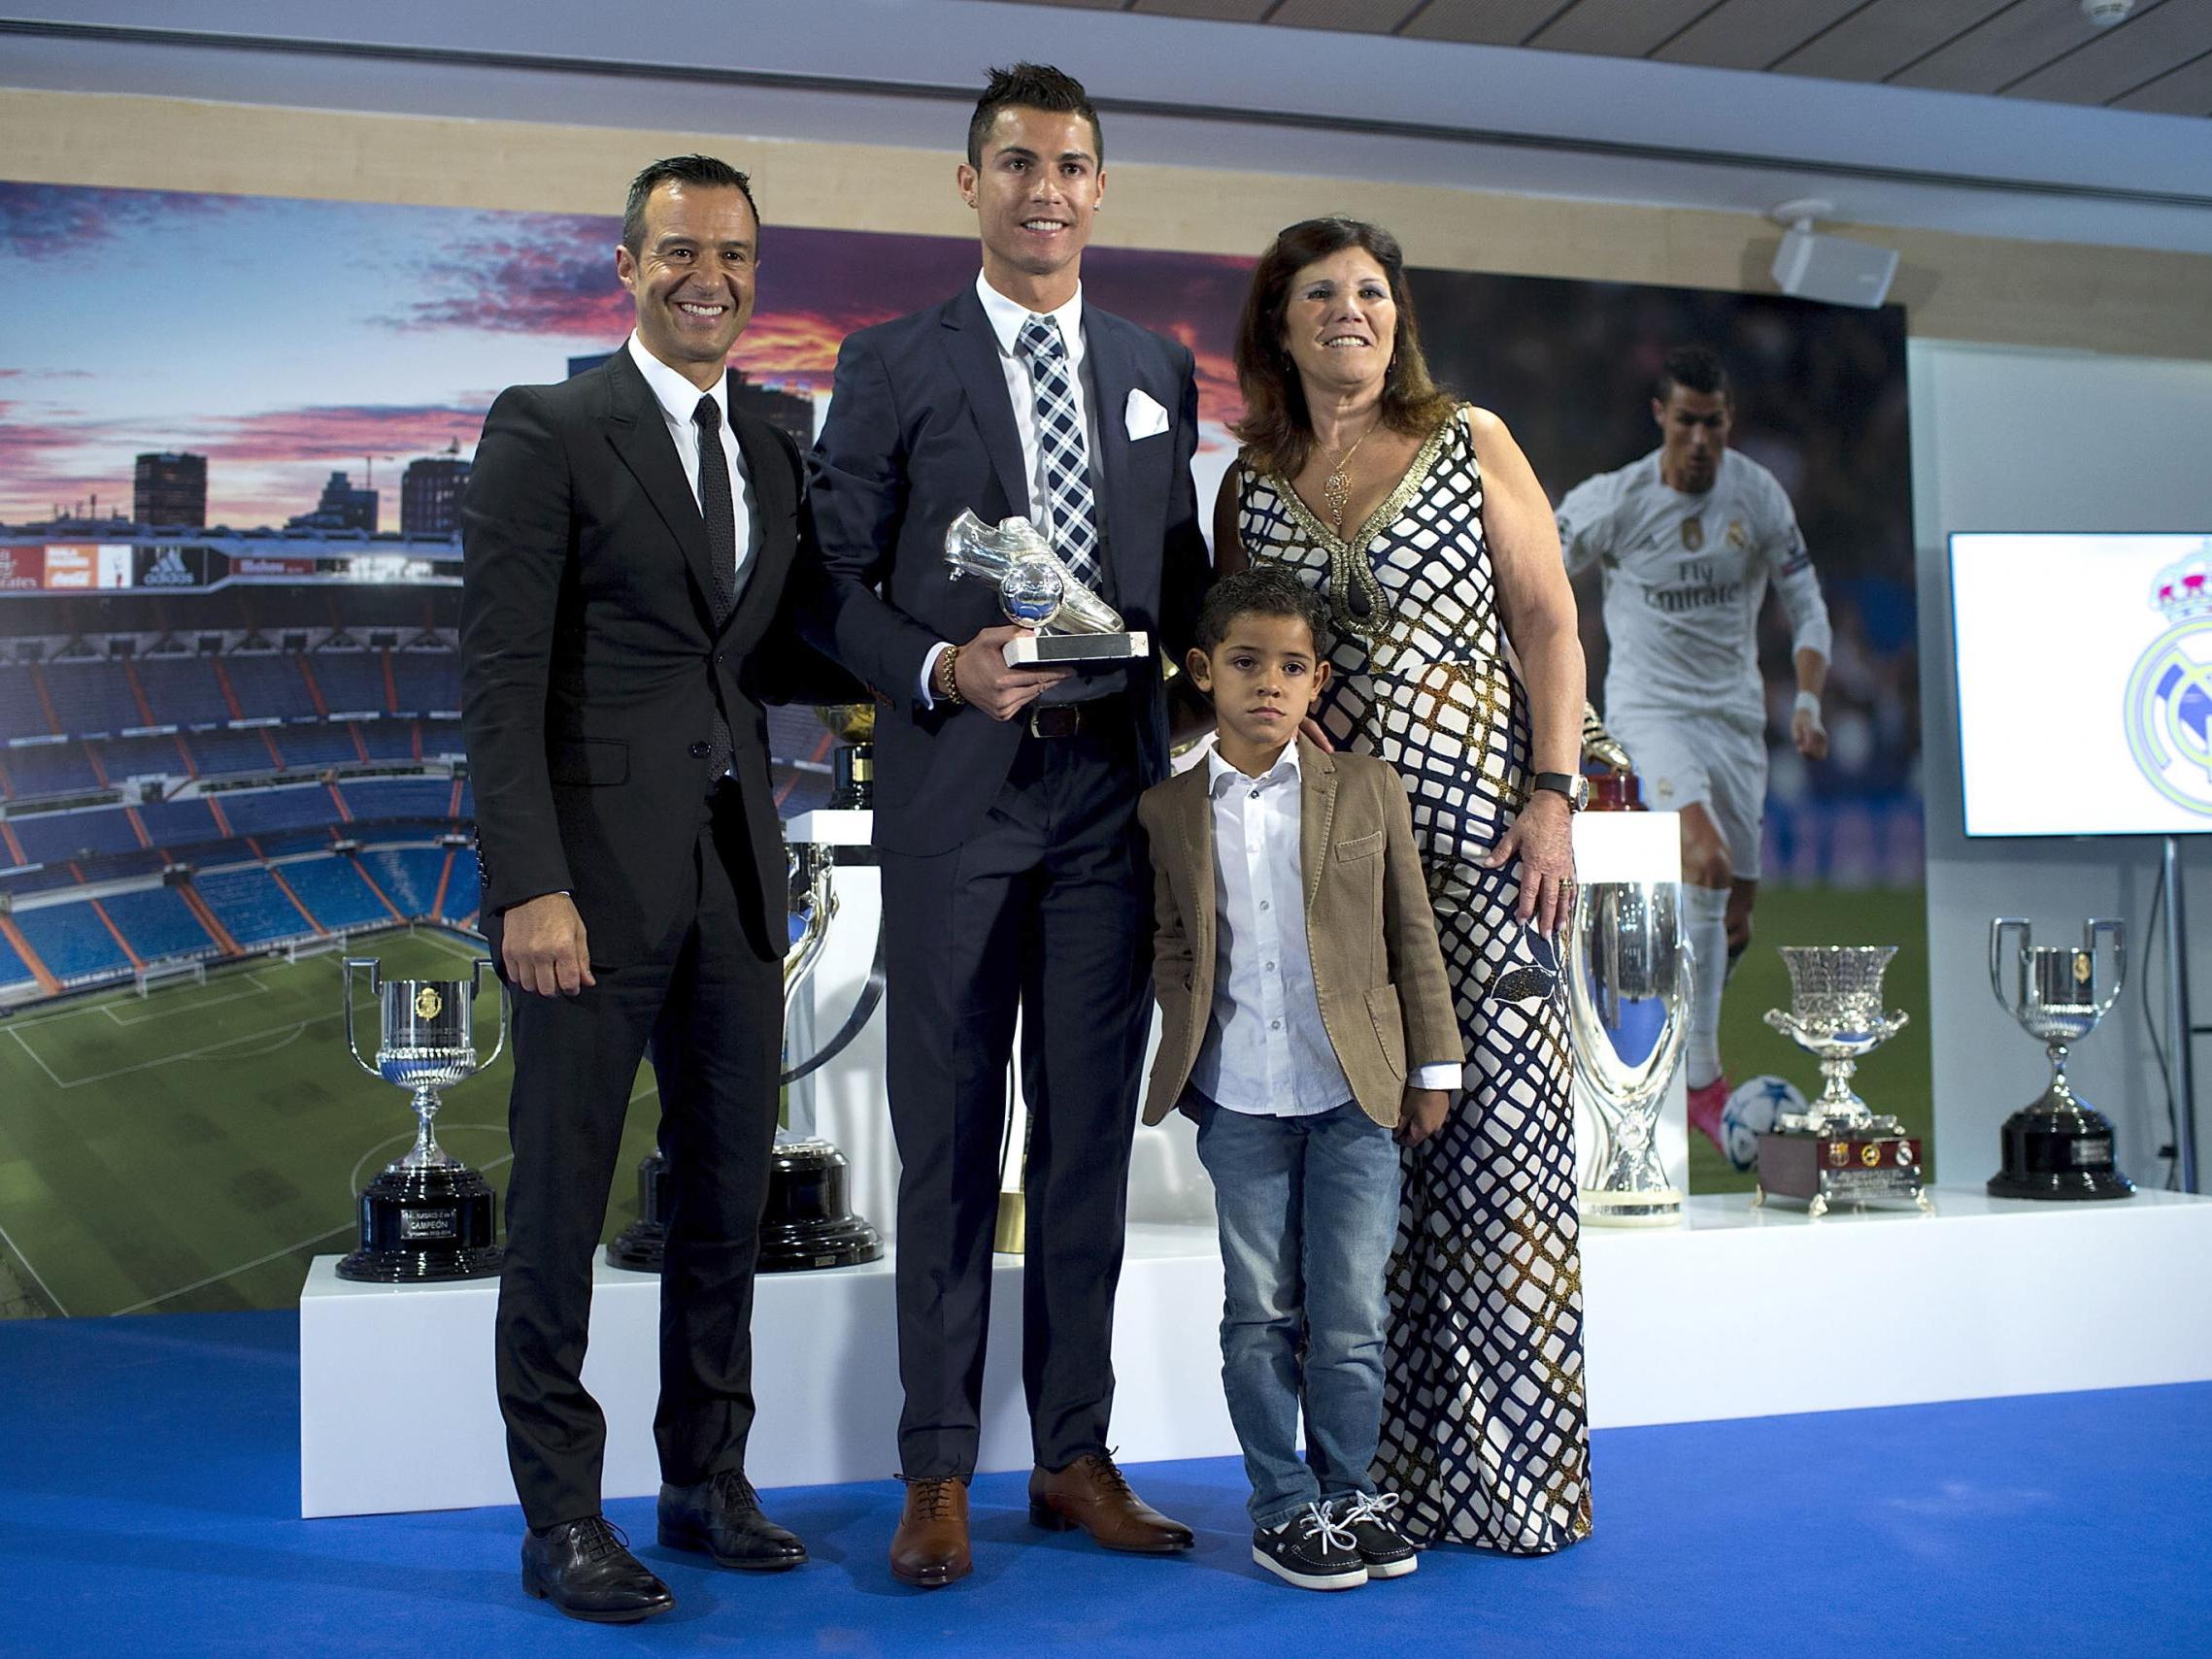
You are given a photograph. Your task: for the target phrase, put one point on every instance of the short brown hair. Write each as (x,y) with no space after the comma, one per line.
(706,171)
(1031,86)
(1277,430)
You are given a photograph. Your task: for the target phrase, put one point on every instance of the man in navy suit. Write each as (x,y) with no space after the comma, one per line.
(1014,874)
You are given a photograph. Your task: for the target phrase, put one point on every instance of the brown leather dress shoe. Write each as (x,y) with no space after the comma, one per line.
(1089,1493)
(930,1548)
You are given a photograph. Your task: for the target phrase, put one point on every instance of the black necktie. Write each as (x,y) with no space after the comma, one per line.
(720,515)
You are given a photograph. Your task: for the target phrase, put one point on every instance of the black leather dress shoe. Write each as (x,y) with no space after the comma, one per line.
(585,1568)
(721,1517)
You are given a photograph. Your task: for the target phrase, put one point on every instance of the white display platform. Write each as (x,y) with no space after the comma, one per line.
(1737,1312)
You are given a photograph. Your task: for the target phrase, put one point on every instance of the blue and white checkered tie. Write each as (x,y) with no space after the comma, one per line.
(1060,438)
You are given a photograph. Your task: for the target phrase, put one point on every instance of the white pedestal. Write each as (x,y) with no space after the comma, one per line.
(1737,1312)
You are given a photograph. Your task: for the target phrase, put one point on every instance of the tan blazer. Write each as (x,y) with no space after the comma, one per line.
(1377,968)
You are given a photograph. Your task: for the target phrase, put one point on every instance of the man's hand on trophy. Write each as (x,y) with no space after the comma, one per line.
(1421,1114)
(985,679)
(543,947)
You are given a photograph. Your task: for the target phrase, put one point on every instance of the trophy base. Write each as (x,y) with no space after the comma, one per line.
(1010,1237)
(423,1225)
(1049,649)
(2059,1152)
(809,1222)
(1855,1165)
(1653,1207)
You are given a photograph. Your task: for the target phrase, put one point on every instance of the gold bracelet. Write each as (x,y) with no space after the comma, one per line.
(949,690)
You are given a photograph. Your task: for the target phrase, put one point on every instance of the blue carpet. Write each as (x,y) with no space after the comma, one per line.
(149,1470)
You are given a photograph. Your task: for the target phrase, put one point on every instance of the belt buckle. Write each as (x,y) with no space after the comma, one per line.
(1063,720)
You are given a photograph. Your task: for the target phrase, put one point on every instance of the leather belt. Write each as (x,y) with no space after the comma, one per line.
(1054,719)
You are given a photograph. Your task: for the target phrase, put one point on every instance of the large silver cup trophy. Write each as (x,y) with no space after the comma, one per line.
(1628,983)
(1838,1148)
(1037,590)
(427,1215)
(807,1222)
(2057,1145)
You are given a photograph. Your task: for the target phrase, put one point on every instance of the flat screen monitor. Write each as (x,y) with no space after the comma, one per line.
(2085,682)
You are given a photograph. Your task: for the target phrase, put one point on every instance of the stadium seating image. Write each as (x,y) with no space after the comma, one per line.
(335,894)
(22,710)
(14,972)
(181,691)
(462,892)
(43,769)
(370,799)
(267,684)
(408,874)
(124,759)
(252,907)
(73,942)
(94,696)
(352,681)
(387,739)
(294,806)
(427,682)
(180,823)
(158,924)
(317,744)
(49,837)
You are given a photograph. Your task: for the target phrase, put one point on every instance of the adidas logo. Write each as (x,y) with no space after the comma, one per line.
(169,570)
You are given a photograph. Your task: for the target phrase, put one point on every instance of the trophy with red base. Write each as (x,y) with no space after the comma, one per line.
(1838,1150)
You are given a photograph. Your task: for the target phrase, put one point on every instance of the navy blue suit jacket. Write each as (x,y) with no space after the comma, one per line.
(920,428)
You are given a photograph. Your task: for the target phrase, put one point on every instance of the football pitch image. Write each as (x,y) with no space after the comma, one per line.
(193,1148)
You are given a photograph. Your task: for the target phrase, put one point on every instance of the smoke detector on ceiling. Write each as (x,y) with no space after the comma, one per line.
(2103,13)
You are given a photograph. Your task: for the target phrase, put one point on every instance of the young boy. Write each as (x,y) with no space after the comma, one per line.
(1309,1032)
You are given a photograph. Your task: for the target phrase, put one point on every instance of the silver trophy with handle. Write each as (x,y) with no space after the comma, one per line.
(2057,1145)
(427,1215)
(1037,590)
(1630,977)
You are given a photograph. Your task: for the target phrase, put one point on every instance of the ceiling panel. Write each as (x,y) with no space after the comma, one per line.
(1220,11)
(1486,23)
(2018,40)
(2187,91)
(1751,34)
(1878,38)
(1619,29)
(2122,59)
(1355,17)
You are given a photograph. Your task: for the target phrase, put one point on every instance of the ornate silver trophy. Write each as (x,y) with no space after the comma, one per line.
(1838,1150)
(429,1215)
(2057,1145)
(808,1221)
(1036,590)
(1628,983)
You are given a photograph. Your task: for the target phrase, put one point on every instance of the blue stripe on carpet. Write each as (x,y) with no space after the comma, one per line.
(151,1479)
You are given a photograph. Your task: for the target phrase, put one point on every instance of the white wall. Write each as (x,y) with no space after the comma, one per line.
(2009,439)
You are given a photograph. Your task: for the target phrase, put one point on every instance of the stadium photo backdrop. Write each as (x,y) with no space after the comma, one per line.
(228,696)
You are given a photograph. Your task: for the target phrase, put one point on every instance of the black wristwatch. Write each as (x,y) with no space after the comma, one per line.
(1572,784)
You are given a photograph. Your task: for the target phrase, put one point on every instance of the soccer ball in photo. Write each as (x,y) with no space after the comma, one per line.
(1751,1111)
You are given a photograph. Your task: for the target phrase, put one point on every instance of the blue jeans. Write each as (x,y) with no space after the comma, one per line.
(1308,1208)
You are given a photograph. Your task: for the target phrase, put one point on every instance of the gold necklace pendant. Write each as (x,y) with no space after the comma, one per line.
(1336,488)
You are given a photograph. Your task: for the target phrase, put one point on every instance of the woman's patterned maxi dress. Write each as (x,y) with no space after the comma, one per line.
(1482,1411)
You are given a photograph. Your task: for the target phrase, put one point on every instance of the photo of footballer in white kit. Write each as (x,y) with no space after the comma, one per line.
(1732,479)
(1685,542)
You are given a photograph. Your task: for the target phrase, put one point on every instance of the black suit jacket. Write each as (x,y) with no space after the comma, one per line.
(591,664)
(920,428)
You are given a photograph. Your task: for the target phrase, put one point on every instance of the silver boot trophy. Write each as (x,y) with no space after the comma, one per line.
(1628,983)
(808,1221)
(1036,590)
(429,1215)
(2057,1145)
(1838,1150)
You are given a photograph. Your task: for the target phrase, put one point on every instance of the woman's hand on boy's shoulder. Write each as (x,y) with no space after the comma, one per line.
(1421,1114)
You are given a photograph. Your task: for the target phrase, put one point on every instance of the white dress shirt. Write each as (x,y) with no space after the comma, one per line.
(678,397)
(1266,1051)
(1006,317)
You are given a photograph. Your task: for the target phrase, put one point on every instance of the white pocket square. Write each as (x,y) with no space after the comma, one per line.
(1144,417)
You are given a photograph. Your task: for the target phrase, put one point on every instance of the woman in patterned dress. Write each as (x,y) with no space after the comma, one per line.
(1456,659)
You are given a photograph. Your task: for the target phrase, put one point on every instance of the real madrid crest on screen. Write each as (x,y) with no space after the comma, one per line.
(2168,706)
